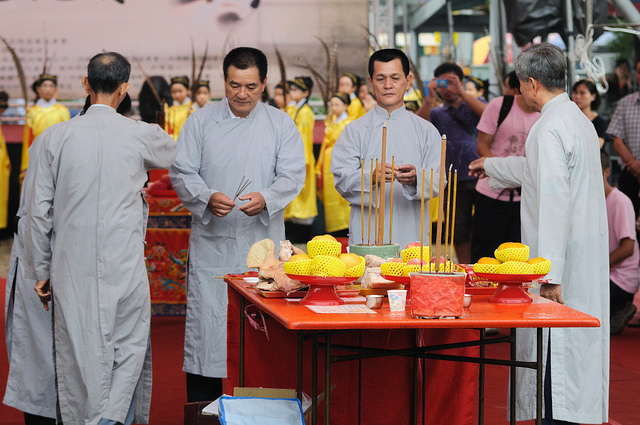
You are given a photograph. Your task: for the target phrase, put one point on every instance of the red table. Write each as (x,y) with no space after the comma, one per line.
(539,314)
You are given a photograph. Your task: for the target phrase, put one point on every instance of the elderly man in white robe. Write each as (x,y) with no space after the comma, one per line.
(414,142)
(85,233)
(564,219)
(220,146)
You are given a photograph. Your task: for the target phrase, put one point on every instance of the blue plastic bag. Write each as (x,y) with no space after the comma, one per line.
(260,411)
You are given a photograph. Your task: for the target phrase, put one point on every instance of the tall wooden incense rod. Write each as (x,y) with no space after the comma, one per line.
(362,199)
(443,155)
(422,223)
(393,163)
(430,235)
(376,203)
(453,219)
(447,220)
(370,194)
(383,186)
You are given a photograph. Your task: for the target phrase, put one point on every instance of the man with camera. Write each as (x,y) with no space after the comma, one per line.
(457,117)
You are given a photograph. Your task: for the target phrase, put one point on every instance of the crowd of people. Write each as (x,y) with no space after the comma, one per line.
(530,168)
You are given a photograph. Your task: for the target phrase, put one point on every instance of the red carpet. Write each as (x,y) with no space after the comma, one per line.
(169,394)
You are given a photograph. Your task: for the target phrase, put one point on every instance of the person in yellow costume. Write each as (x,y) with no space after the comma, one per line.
(281,95)
(5,167)
(177,113)
(45,113)
(413,95)
(336,208)
(299,214)
(348,83)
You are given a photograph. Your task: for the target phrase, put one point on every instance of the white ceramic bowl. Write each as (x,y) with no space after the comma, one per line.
(374,301)
(467,300)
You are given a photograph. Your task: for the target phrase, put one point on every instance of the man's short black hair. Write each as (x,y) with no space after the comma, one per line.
(513,80)
(447,67)
(387,55)
(245,58)
(107,71)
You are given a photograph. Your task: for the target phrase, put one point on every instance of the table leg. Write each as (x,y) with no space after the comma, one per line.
(481,380)
(314,379)
(327,379)
(299,374)
(512,390)
(539,380)
(241,347)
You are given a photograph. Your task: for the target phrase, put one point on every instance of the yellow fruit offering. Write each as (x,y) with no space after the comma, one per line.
(414,252)
(486,265)
(540,265)
(327,265)
(512,251)
(515,267)
(321,245)
(354,263)
(299,264)
(446,268)
(392,268)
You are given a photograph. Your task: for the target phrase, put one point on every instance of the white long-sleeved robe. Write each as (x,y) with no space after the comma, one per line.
(215,151)
(412,140)
(31,381)
(564,219)
(85,232)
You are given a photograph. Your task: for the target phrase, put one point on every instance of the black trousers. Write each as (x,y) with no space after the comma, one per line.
(30,419)
(494,222)
(203,388)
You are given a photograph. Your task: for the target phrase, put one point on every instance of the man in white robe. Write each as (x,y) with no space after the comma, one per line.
(414,142)
(564,219)
(220,145)
(31,381)
(85,233)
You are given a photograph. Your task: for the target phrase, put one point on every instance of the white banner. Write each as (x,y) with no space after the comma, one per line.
(157,33)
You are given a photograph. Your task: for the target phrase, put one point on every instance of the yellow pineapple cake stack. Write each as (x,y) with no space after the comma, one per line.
(325,260)
(512,258)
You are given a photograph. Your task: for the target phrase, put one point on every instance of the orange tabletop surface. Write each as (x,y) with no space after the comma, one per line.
(541,313)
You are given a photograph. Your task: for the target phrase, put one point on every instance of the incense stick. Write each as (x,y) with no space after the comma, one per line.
(383,186)
(443,154)
(393,163)
(453,220)
(243,185)
(430,226)
(422,223)
(376,200)
(447,221)
(370,193)
(362,198)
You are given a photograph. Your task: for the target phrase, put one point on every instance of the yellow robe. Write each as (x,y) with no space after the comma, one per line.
(175,116)
(5,173)
(304,205)
(336,208)
(38,119)
(355,108)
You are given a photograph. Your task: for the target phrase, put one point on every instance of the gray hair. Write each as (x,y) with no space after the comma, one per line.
(543,62)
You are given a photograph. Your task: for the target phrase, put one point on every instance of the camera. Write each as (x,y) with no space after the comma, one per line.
(442,83)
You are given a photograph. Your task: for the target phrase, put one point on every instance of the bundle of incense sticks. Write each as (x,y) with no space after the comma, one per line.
(362,198)
(383,186)
(393,163)
(443,155)
(243,185)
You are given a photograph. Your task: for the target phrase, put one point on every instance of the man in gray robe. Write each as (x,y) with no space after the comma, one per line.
(220,145)
(85,234)
(564,219)
(414,142)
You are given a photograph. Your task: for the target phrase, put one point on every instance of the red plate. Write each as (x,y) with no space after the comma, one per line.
(404,280)
(510,278)
(319,280)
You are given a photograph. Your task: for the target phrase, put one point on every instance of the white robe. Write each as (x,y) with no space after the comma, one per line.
(31,381)
(215,151)
(564,219)
(85,232)
(412,140)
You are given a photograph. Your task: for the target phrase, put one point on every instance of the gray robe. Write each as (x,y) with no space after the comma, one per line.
(215,150)
(31,382)
(412,140)
(85,232)
(564,219)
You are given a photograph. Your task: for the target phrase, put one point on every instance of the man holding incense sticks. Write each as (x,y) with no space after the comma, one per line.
(412,144)
(564,219)
(222,147)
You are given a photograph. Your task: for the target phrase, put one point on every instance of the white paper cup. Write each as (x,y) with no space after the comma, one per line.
(397,299)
